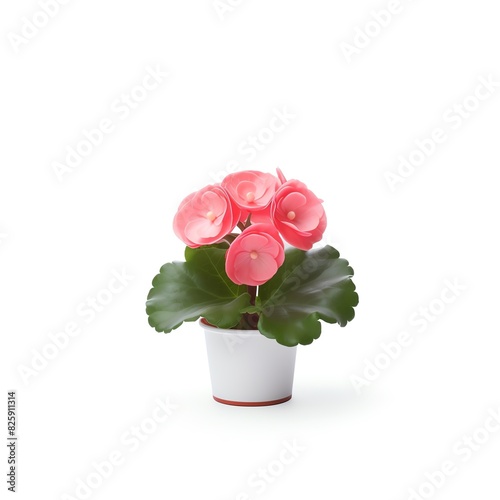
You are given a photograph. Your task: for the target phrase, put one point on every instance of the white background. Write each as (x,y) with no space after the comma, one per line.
(61,240)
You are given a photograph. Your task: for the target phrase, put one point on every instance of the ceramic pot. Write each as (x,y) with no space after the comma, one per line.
(248,369)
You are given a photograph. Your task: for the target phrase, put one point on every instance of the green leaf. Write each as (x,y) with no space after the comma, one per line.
(308,287)
(199,287)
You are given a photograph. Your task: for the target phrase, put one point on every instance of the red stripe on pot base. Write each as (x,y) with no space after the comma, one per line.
(253,403)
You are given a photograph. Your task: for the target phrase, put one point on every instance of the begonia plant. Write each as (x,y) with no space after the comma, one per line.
(250,262)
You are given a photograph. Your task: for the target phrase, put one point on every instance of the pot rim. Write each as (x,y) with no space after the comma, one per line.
(226,331)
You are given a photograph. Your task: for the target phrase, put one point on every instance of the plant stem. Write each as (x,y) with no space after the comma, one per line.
(249,321)
(252,290)
(247,223)
(229,238)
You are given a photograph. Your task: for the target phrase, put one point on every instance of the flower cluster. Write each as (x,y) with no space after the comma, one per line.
(267,209)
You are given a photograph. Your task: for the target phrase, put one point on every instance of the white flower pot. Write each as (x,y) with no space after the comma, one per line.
(248,369)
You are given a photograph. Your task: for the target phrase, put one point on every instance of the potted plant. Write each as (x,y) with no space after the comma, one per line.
(255,299)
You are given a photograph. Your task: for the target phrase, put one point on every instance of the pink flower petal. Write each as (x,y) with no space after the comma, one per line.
(293,202)
(200,228)
(263,268)
(253,242)
(251,190)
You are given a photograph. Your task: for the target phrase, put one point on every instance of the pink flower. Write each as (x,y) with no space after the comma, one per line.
(255,255)
(281,177)
(262,216)
(257,217)
(250,189)
(298,214)
(205,217)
